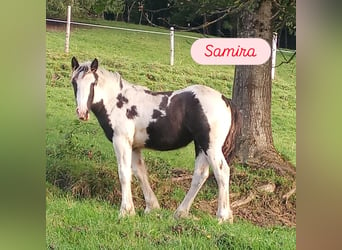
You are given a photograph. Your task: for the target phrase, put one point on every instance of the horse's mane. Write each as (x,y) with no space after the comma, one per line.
(104,74)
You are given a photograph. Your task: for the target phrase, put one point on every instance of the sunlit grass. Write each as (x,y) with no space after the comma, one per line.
(91,224)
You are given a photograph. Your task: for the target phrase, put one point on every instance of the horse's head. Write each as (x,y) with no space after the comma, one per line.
(84,79)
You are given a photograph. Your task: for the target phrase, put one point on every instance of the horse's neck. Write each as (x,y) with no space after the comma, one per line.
(106,88)
(112,86)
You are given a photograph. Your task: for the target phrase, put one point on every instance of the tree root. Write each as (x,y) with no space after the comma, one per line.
(269,188)
(181,178)
(290,193)
(245,201)
(270,158)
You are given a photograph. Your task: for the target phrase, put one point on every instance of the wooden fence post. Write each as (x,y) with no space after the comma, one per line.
(172,45)
(67,35)
(274,53)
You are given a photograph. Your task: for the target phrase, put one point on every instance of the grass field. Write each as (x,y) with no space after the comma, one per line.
(83,193)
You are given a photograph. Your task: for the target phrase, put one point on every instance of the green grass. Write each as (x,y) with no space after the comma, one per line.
(83,191)
(91,224)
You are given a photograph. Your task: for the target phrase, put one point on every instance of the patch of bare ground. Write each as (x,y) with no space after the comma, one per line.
(262,203)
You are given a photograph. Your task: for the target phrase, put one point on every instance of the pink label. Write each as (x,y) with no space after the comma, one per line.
(230,51)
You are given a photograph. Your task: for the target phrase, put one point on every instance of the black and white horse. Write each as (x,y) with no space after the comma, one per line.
(133,118)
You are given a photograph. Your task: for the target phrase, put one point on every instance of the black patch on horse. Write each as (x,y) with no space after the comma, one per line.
(131,113)
(74,85)
(167,93)
(163,102)
(156,114)
(121,85)
(101,114)
(121,100)
(184,121)
(96,76)
(91,95)
(83,68)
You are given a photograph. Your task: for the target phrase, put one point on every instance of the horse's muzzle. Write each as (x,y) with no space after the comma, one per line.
(82,115)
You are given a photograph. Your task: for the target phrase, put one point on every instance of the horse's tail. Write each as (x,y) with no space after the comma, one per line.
(235,127)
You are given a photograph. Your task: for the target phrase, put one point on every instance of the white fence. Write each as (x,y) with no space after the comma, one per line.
(172,34)
(118,28)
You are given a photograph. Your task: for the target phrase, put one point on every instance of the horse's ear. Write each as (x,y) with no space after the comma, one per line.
(74,63)
(94,65)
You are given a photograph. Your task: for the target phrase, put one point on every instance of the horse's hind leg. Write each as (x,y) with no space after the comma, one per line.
(201,173)
(139,170)
(221,172)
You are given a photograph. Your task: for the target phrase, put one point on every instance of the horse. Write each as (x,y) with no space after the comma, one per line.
(134,117)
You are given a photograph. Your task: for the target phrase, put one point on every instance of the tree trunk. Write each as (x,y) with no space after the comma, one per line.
(129,10)
(205,28)
(252,95)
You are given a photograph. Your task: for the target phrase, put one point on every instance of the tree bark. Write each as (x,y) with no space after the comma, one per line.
(252,95)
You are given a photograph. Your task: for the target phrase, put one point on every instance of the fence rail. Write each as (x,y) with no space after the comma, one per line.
(138,30)
(172,34)
(119,28)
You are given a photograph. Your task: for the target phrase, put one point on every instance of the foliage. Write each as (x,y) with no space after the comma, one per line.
(84,8)
(181,13)
(200,7)
(56,8)
(285,15)
(115,6)
(99,7)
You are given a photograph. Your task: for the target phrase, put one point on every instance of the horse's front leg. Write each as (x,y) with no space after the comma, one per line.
(123,151)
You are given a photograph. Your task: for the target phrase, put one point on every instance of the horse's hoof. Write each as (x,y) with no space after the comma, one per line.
(126,212)
(149,209)
(229,219)
(180,214)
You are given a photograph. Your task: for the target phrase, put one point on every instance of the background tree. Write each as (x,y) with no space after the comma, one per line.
(99,8)
(115,8)
(285,20)
(56,8)
(207,16)
(252,94)
(129,4)
(212,17)
(81,8)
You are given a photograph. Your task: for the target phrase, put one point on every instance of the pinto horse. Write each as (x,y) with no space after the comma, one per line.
(134,117)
